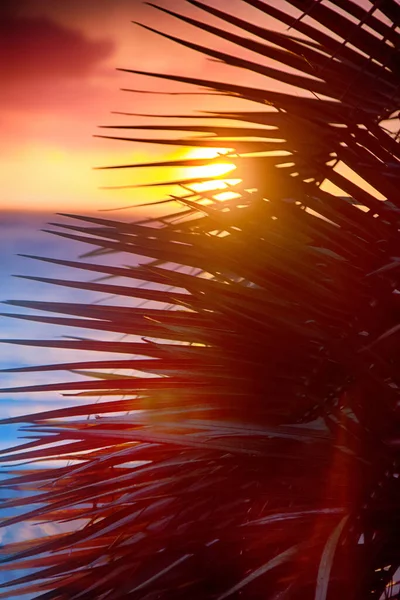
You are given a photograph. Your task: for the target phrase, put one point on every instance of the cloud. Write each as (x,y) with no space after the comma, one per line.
(57,81)
(39,49)
(76,9)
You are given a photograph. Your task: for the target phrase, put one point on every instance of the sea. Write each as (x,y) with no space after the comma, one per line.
(23,233)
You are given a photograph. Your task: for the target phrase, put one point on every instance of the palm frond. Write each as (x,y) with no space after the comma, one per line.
(247,444)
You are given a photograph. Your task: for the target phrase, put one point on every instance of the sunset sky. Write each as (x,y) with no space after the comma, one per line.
(58,61)
(58,68)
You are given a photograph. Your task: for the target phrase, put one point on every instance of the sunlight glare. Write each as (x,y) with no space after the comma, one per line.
(226,196)
(213,170)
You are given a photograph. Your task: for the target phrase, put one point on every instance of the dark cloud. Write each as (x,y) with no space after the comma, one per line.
(41,49)
(74,7)
(82,14)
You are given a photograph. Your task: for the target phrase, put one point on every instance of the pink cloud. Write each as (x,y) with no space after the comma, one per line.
(39,49)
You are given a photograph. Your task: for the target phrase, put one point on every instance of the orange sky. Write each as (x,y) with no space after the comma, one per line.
(59,60)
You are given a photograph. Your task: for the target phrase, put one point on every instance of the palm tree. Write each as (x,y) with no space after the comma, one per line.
(247,441)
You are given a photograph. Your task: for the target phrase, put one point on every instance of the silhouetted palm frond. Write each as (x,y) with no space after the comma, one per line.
(246,444)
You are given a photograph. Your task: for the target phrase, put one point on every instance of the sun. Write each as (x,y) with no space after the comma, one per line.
(216,169)
(211,172)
